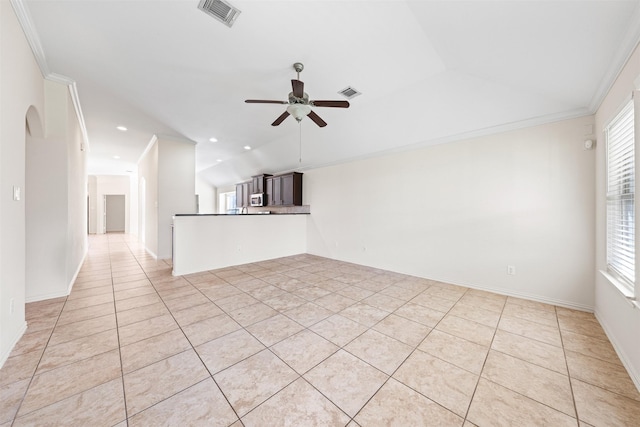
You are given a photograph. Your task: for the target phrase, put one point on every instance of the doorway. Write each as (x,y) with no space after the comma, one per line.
(114,213)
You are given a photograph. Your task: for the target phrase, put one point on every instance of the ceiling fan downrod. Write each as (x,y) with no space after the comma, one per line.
(298,67)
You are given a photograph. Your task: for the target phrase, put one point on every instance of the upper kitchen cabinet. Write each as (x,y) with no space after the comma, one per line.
(285,190)
(243,194)
(259,183)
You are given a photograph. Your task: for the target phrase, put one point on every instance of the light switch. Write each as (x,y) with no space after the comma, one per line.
(16,193)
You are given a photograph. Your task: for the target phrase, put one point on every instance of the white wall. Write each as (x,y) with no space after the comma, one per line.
(208,196)
(76,169)
(619,318)
(209,242)
(42,235)
(134,204)
(112,185)
(21,86)
(167,169)
(462,212)
(148,218)
(55,200)
(176,187)
(46,202)
(92,190)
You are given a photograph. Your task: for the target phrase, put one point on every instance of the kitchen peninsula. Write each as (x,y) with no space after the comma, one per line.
(207,242)
(272,223)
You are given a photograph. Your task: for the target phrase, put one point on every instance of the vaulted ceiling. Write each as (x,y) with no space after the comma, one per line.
(429,72)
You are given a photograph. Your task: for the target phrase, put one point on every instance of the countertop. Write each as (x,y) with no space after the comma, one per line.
(246,214)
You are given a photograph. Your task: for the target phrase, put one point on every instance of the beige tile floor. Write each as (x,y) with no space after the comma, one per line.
(303,341)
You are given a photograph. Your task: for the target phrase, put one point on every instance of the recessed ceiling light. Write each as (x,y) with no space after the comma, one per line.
(122,128)
(218,160)
(116,157)
(213,139)
(246,147)
(129,170)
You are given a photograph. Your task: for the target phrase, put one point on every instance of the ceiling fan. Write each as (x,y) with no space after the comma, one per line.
(299,104)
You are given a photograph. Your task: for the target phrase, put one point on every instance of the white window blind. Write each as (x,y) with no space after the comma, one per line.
(620,197)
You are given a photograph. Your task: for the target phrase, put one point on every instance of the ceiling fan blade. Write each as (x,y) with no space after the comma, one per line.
(280,119)
(339,104)
(317,120)
(264,101)
(298,88)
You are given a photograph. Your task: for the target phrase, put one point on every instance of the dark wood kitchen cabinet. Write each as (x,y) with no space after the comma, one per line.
(285,190)
(258,183)
(243,194)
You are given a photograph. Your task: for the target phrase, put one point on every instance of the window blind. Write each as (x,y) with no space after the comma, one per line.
(620,197)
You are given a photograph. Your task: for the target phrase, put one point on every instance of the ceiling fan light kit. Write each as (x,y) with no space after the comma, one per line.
(299,111)
(299,105)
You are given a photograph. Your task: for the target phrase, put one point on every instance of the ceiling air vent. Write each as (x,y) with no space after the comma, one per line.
(349,92)
(221,10)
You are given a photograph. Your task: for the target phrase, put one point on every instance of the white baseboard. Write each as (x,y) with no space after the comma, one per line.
(5,355)
(500,291)
(75,275)
(147,250)
(635,376)
(66,293)
(42,297)
(537,298)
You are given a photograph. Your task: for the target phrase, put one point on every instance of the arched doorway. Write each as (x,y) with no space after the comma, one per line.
(46,206)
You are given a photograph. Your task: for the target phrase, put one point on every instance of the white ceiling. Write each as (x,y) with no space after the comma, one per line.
(430,72)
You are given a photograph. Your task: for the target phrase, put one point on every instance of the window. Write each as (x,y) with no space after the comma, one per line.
(227,202)
(620,197)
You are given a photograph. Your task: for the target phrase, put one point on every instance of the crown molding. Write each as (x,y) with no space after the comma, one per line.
(59,78)
(618,62)
(24,17)
(152,141)
(29,30)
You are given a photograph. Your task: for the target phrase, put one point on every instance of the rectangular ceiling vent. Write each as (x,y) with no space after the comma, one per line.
(221,10)
(349,92)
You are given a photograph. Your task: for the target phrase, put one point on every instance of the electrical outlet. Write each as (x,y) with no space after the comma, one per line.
(511,270)
(16,193)
(11,305)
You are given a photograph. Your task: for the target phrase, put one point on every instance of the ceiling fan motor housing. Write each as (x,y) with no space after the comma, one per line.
(295,100)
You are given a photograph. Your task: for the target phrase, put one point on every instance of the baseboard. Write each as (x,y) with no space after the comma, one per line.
(42,297)
(147,250)
(633,374)
(75,275)
(66,293)
(537,298)
(5,355)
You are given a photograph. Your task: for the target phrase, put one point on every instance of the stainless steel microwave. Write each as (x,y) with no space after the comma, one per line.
(257,199)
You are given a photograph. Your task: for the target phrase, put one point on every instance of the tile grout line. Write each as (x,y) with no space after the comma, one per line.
(417,349)
(349,283)
(38,364)
(115,309)
(566,361)
(406,358)
(299,376)
(186,337)
(475,389)
(44,348)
